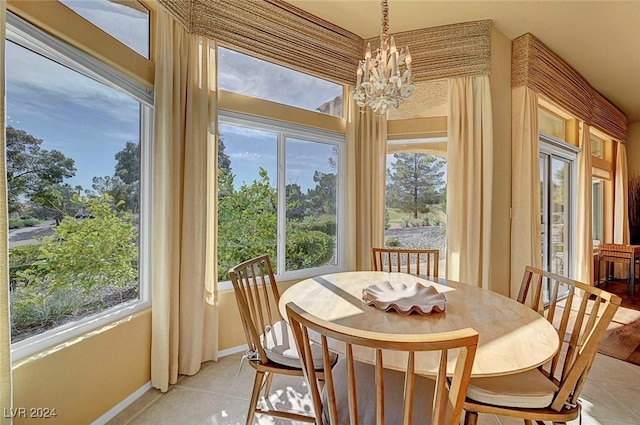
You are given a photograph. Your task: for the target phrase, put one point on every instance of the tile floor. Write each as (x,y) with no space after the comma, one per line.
(215,396)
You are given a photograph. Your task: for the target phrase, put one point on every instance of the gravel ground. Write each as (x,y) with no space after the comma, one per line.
(430,237)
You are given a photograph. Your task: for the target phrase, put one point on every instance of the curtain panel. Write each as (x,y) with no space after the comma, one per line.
(367,143)
(184,311)
(584,207)
(621,196)
(469,180)
(526,244)
(6,387)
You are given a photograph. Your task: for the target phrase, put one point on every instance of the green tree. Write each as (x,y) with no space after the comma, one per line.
(247,223)
(82,254)
(124,185)
(225,176)
(32,170)
(414,182)
(56,202)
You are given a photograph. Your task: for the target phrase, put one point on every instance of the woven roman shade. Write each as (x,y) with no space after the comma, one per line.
(457,50)
(275,31)
(535,66)
(281,33)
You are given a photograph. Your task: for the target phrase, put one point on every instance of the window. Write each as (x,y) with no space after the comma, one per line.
(416,215)
(127,21)
(280,191)
(551,124)
(253,77)
(77,152)
(597,147)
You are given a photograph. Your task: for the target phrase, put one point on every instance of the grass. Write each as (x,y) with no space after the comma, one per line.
(400,219)
(19,223)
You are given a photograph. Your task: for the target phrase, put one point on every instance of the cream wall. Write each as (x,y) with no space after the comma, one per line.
(633,149)
(87,376)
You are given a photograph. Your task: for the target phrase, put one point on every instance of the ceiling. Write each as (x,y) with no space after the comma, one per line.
(600,39)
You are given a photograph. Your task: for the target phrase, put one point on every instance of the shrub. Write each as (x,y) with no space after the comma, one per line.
(392,242)
(19,223)
(307,249)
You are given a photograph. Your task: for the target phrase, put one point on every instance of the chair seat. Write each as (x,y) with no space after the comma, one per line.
(393,396)
(280,347)
(530,389)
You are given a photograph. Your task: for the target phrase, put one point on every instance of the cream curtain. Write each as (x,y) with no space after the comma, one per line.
(469,180)
(526,244)
(184,311)
(620,207)
(584,236)
(6,387)
(367,157)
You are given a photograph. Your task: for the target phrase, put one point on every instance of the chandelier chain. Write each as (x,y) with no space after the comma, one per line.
(384,23)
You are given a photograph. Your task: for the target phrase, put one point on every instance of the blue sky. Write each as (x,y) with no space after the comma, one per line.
(90,122)
(85,120)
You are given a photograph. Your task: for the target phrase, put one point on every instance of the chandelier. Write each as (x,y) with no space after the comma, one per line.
(385,82)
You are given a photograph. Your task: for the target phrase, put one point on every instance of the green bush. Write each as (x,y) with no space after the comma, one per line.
(392,242)
(19,223)
(307,248)
(79,270)
(324,224)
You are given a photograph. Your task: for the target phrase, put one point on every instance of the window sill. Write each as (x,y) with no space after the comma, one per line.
(49,340)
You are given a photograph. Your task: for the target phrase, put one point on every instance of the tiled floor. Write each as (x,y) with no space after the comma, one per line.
(215,396)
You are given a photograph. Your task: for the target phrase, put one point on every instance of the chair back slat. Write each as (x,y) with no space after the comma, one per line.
(419,262)
(257,296)
(448,398)
(580,313)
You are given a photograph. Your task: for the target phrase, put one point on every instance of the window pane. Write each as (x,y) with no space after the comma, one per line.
(240,73)
(415,215)
(247,196)
(597,147)
(551,125)
(125,20)
(73,172)
(311,192)
(559,216)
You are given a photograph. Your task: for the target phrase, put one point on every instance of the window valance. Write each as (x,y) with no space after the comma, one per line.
(456,50)
(281,33)
(275,31)
(535,66)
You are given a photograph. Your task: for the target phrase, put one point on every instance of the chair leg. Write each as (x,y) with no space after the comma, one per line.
(253,404)
(471,418)
(267,387)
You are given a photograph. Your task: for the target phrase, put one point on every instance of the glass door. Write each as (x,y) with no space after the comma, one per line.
(557,203)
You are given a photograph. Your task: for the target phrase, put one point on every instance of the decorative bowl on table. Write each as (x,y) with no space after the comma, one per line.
(403,298)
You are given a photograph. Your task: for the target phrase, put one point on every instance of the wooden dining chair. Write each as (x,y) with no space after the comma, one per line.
(419,262)
(531,289)
(580,313)
(355,393)
(271,349)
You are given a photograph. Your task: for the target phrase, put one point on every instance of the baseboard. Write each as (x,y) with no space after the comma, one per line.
(113,412)
(102,420)
(233,350)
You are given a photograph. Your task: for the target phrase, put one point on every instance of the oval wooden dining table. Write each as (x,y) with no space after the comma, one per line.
(512,337)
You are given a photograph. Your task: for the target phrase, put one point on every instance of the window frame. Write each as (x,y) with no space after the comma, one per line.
(29,36)
(286,130)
